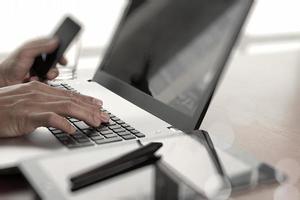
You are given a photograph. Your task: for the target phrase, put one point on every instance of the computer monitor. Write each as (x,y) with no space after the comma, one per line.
(167,56)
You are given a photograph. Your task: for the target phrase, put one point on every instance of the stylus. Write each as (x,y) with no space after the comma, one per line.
(136,159)
(149,149)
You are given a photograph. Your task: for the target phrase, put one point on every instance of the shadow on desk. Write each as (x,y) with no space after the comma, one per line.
(15,187)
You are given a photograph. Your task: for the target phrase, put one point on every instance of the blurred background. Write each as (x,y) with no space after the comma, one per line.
(273,26)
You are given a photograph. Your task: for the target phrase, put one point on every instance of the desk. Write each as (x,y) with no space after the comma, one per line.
(257,107)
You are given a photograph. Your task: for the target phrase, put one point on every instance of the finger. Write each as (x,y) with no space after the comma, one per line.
(61,92)
(27,76)
(39,41)
(40,97)
(50,119)
(37,89)
(70,109)
(52,73)
(37,98)
(38,47)
(63,61)
(34,78)
(26,79)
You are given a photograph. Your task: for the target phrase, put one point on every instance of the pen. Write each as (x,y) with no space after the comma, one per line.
(113,171)
(133,160)
(145,150)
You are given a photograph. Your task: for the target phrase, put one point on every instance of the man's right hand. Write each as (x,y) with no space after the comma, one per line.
(25,107)
(15,69)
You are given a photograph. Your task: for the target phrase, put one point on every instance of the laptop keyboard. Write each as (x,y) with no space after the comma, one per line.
(116,130)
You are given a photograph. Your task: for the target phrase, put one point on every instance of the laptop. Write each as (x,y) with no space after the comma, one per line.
(156,78)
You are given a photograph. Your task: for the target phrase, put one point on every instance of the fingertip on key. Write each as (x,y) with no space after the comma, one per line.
(105,117)
(72,129)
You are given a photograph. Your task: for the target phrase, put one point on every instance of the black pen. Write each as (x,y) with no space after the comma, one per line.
(145,150)
(133,160)
(114,171)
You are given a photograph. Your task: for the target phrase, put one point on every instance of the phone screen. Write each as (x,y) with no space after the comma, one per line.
(66,32)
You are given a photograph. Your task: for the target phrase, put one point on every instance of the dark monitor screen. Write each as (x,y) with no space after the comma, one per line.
(167,55)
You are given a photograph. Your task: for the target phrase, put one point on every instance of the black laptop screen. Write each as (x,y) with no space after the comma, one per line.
(173,51)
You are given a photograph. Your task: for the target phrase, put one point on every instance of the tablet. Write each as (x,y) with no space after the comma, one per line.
(188,171)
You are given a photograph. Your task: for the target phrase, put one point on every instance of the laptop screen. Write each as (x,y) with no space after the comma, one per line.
(168,55)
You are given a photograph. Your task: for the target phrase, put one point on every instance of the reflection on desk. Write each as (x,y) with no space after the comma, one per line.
(257,107)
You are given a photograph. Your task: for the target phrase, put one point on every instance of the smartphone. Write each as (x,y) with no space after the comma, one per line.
(66,33)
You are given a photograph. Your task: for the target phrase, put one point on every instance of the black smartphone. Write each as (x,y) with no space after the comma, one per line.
(65,33)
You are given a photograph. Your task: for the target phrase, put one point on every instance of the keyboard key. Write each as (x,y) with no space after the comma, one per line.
(98,137)
(90,132)
(114,126)
(64,137)
(124,133)
(111,135)
(52,128)
(108,140)
(119,130)
(129,128)
(140,135)
(134,131)
(128,137)
(62,134)
(120,122)
(103,128)
(67,140)
(110,123)
(111,115)
(56,131)
(106,132)
(73,120)
(66,143)
(82,140)
(114,118)
(81,125)
(125,125)
(59,135)
(78,135)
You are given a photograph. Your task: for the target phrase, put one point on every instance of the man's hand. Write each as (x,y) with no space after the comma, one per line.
(16,68)
(25,107)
